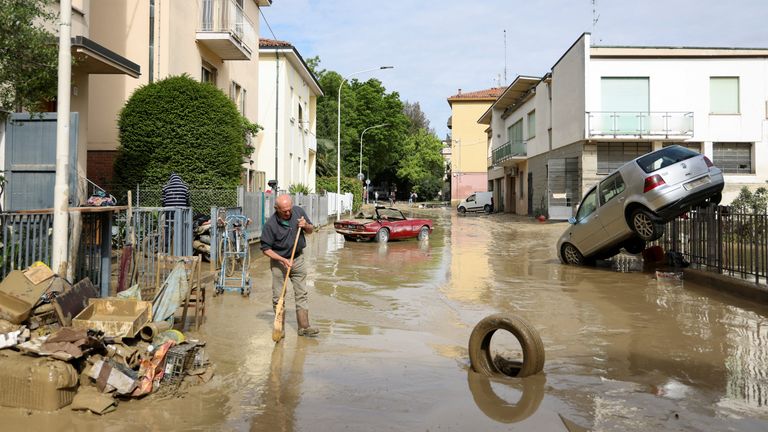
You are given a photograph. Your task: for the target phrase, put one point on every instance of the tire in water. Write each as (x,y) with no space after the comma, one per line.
(480,355)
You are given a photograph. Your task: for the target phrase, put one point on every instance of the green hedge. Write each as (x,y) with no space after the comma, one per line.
(179,124)
(348,184)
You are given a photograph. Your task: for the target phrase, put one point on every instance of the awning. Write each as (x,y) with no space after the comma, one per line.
(96,59)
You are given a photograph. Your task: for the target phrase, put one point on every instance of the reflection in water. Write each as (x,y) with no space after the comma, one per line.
(469,271)
(531,391)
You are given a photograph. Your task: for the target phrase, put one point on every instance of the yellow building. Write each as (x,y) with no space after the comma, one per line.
(469,142)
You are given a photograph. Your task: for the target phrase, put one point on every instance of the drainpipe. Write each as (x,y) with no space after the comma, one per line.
(61,188)
(277,105)
(151,41)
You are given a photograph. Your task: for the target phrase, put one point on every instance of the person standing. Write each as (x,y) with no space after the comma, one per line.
(277,240)
(175,192)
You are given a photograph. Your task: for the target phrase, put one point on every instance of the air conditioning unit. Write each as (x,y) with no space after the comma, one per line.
(513,171)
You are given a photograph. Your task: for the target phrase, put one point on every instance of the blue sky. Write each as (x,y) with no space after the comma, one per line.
(438,47)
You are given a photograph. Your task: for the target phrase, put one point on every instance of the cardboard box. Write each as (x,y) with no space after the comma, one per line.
(18,296)
(116,317)
(36,382)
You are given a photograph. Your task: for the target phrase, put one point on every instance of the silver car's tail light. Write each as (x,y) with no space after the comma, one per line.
(653,182)
(708,162)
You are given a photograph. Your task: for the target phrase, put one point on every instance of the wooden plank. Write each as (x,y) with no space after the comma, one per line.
(73,301)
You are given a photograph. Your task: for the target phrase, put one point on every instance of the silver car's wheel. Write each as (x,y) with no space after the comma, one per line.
(423,233)
(645,225)
(382,236)
(571,255)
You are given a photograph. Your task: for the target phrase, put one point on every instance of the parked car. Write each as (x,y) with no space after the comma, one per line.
(631,206)
(386,223)
(478,201)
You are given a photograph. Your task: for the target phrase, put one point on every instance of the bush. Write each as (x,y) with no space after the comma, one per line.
(299,188)
(183,126)
(348,184)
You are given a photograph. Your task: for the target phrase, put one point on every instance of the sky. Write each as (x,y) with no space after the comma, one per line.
(438,47)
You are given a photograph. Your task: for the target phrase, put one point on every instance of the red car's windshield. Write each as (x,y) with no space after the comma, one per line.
(389,214)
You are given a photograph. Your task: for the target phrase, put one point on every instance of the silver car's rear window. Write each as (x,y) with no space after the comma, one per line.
(664,158)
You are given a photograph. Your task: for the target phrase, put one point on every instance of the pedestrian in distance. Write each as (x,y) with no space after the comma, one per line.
(392,199)
(277,240)
(375,197)
(175,194)
(410,199)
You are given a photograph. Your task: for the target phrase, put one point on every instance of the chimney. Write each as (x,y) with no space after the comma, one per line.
(459,92)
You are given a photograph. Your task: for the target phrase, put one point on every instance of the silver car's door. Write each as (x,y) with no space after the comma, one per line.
(587,234)
(612,195)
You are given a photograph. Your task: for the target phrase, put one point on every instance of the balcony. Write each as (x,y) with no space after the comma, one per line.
(657,124)
(226,30)
(510,150)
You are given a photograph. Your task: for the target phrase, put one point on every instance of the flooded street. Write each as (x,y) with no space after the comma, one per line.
(624,352)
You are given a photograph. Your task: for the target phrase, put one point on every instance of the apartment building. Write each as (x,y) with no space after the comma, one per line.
(553,137)
(469,168)
(213,41)
(286,150)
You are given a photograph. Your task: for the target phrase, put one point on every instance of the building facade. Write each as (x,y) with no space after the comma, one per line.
(286,150)
(600,107)
(469,161)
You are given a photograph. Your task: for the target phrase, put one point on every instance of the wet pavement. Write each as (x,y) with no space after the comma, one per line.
(624,351)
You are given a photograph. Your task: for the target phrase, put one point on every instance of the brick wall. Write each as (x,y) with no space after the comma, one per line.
(101,167)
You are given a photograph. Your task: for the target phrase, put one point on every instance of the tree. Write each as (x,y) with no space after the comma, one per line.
(183,126)
(418,118)
(422,167)
(28,55)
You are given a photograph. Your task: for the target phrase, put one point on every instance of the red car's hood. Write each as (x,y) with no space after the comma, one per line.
(355,221)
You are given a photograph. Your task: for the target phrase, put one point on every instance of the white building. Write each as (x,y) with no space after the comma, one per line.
(286,149)
(551,138)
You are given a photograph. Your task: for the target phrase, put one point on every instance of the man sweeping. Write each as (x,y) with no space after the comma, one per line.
(277,240)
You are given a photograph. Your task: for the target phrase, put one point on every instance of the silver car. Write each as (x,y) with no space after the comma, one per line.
(630,206)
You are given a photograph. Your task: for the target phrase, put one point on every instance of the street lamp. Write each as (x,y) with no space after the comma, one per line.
(338,138)
(360,175)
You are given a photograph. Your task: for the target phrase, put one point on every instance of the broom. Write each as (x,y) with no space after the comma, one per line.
(277,332)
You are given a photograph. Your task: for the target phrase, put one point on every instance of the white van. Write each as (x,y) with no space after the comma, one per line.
(478,201)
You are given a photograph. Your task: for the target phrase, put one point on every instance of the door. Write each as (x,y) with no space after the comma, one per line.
(530,194)
(587,233)
(30,161)
(562,187)
(613,193)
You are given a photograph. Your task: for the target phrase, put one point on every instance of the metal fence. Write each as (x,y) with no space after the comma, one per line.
(26,238)
(201,200)
(722,239)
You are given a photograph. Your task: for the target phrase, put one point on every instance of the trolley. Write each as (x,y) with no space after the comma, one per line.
(233,255)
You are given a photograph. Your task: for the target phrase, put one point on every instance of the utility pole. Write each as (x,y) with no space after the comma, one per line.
(59,260)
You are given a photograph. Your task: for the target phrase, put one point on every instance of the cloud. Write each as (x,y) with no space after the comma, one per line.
(438,47)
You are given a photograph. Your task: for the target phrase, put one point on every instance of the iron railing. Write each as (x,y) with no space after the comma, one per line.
(722,239)
(639,124)
(226,16)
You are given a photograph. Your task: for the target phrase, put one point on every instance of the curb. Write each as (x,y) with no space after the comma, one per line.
(728,284)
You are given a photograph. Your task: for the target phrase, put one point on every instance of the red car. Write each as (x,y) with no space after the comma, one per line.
(386,223)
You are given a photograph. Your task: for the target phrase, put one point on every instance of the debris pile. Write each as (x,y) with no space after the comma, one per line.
(61,345)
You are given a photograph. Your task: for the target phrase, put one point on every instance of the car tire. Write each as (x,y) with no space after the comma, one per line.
(423,233)
(382,236)
(571,255)
(646,225)
(462,210)
(487,209)
(634,245)
(349,238)
(716,198)
(480,355)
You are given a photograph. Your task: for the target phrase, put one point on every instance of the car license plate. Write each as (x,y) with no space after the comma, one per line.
(697,183)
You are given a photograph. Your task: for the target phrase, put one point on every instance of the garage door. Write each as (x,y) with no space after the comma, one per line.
(562,187)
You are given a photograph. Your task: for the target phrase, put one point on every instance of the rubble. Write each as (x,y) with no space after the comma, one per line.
(61,345)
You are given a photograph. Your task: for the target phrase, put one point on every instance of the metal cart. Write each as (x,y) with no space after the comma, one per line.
(233,255)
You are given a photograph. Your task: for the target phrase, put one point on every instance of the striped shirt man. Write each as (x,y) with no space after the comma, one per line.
(175,192)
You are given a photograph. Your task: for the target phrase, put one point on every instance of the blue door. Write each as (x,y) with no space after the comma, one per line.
(30,161)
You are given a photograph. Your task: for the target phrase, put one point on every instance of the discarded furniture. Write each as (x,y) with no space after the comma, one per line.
(35,382)
(73,301)
(115,317)
(195,296)
(19,295)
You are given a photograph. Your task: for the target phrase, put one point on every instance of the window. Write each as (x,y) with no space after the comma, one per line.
(531,124)
(611,187)
(301,116)
(733,157)
(695,146)
(622,99)
(588,205)
(610,156)
(664,158)
(515,132)
(208,73)
(723,95)
(237,94)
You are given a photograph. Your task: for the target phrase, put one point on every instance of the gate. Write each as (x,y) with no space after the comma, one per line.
(562,187)
(30,161)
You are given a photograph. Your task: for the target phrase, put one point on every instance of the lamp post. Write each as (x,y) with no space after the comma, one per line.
(338,137)
(360,175)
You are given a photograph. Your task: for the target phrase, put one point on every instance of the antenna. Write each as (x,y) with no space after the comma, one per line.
(505,56)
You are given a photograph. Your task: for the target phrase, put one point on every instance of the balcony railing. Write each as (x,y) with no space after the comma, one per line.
(635,124)
(226,30)
(509,150)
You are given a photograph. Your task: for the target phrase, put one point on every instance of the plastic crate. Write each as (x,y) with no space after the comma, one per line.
(179,360)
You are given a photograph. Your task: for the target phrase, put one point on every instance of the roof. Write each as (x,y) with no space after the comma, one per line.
(268,47)
(674,52)
(511,95)
(480,95)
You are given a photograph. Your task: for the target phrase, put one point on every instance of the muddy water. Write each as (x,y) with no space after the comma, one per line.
(624,352)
